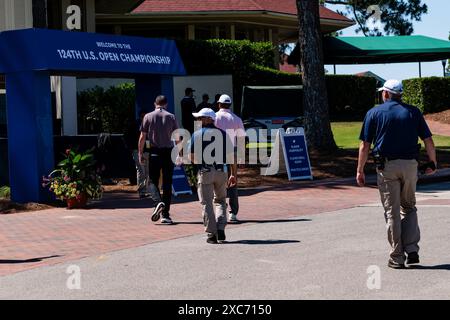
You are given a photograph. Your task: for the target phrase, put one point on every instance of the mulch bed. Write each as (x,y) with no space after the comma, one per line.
(442,117)
(339,164)
(8,207)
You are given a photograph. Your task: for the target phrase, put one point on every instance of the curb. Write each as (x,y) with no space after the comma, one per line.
(442,175)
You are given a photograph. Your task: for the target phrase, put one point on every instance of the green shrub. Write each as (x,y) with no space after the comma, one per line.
(224,56)
(5,192)
(350,96)
(430,95)
(108,110)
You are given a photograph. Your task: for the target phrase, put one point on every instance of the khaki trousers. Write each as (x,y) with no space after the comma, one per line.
(397,185)
(142,172)
(212,192)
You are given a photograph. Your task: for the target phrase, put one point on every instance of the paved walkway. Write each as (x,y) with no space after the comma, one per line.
(335,255)
(438,128)
(121,221)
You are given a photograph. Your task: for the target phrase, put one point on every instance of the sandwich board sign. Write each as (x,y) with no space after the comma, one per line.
(180,183)
(291,152)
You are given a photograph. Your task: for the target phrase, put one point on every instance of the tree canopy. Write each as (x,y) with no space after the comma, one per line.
(382,17)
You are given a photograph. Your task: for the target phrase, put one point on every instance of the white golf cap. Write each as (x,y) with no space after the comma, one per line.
(225,99)
(392,86)
(206,113)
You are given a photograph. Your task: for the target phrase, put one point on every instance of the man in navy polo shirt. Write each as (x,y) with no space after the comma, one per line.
(394,128)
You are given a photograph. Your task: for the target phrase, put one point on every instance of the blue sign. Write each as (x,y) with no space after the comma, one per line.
(180,184)
(44,49)
(296,156)
(29,57)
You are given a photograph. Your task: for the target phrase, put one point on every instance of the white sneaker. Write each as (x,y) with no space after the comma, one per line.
(166,221)
(157,212)
(233,218)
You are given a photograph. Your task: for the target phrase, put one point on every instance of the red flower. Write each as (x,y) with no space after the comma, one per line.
(68,151)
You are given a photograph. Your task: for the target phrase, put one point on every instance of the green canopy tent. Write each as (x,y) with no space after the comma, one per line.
(376,50)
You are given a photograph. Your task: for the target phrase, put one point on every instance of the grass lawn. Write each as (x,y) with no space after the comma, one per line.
(346,135)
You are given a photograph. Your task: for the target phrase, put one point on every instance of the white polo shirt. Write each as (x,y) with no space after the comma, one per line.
(230,123)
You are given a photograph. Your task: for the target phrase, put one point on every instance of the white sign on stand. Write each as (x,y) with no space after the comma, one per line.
(290,151)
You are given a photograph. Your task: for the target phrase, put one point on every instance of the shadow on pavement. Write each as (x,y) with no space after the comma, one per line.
(34,260)
(119,200)
(437,267)
(246,221)
(272,221)
(252,242)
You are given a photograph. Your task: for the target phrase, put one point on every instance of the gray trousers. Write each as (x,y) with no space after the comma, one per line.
(397,186)
(142,172)
(212,192)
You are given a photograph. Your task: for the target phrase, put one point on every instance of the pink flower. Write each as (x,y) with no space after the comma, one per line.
(66,178)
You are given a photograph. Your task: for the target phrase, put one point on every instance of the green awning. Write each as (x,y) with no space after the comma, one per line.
(374,50)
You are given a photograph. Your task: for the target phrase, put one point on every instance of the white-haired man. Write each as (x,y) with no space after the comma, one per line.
(394,129)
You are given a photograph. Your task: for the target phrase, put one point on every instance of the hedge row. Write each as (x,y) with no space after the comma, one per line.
(224,56)
(430,95)
(348,96)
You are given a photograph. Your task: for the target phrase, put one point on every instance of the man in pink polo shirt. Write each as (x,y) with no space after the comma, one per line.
(233,126)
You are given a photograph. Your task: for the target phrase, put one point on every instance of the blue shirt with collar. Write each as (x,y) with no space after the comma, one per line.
(204,137)
(394,128)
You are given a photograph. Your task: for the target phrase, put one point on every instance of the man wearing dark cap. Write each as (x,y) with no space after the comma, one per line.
(205,103)
(188,107)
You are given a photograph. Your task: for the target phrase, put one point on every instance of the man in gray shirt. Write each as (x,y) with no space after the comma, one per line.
(157,127)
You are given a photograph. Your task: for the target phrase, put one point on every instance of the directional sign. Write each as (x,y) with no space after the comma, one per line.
(180,184)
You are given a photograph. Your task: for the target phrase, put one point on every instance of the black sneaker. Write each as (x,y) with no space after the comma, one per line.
(221,235)
(157,212)
(413,258)
(211,238)
(143,196)
(395,265)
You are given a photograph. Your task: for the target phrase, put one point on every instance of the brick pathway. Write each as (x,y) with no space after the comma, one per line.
(438,128)
(120,221)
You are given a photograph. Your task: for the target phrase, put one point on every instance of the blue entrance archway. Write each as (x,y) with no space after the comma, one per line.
(29,57)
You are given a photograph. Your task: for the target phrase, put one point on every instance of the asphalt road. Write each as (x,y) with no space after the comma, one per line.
(332,255)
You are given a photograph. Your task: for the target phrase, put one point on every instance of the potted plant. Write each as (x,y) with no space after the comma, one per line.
(76,179)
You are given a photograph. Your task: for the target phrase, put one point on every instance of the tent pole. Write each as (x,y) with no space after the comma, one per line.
(334,68)
(420,69)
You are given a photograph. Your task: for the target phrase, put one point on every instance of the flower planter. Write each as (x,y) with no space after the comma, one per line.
(75,203)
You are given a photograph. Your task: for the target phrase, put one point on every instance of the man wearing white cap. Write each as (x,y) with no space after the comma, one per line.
(394,129)
(233,126)
(212,153)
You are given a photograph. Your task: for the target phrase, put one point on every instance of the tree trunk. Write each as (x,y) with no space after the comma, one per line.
(315,101)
